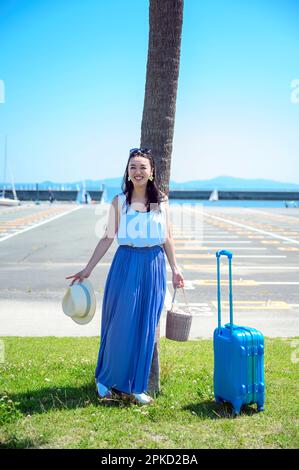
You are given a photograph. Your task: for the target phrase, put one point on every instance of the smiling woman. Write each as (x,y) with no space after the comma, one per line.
(139,184)
(139,169)
(135,288)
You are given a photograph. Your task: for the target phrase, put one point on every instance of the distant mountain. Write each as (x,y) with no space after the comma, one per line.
(220,182)
(232,183)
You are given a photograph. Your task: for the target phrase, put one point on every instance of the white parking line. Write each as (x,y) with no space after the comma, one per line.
(227,242)
(237,282)
(288,218)
(49,264)
(205,248)
(39,224)
(203,235)
(248,227)
(238,267)
(211,255)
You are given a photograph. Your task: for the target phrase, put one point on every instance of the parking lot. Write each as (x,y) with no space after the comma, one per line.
(41,245)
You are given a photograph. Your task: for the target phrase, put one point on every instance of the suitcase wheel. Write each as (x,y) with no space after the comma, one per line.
(237,407)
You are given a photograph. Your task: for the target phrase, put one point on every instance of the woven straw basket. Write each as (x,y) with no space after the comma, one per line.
(178,324)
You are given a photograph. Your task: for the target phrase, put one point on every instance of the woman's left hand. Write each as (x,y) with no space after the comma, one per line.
(177,279)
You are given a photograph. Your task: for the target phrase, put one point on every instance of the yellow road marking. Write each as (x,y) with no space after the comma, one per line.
(210,248)
(240,282)
(257,237)
(35,216)
(195,255)
(56,215)
(287,218)
(287,248)
(32,218)
(251,228)
(212,255)
(187,240)
(224,282)
(199,267)
(195,247)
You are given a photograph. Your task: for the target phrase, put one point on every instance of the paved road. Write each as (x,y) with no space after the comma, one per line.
(41,245)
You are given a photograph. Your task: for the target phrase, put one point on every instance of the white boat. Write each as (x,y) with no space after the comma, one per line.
(290,204)
(214,195)
(83,196)
(7,201)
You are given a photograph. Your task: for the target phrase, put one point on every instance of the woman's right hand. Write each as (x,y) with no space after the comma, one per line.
(79,276)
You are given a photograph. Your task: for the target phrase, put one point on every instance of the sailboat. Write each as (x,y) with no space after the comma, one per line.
(214,196)
(7,201)
(83,196)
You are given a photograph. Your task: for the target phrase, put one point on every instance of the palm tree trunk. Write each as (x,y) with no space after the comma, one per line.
(157,127)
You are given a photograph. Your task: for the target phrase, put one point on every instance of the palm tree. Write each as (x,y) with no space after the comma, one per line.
(157,127)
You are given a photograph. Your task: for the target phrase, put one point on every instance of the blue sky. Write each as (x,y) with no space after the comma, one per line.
(74,77)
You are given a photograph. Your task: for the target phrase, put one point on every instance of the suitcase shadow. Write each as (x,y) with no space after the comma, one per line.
(212,410)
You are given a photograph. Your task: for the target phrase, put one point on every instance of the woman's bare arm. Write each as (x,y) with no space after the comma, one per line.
(177,278)
(103,245)
(108,237)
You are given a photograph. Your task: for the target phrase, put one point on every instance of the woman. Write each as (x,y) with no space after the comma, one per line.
(135,288)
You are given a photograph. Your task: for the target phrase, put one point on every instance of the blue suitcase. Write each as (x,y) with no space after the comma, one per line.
(238,356)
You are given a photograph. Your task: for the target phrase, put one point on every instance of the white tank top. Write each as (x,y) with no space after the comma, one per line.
(140,228)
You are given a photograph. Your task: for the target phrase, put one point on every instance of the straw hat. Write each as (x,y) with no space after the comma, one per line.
(79,302)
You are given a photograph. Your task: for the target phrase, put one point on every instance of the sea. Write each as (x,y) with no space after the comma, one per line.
(110,192)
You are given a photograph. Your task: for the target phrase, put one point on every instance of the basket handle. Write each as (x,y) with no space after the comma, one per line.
(175,291)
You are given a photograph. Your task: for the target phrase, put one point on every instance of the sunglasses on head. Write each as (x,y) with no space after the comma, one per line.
(137,151)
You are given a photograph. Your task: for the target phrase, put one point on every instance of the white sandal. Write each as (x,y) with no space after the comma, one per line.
(142,398)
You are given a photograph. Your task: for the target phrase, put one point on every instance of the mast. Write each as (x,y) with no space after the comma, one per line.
(5,163)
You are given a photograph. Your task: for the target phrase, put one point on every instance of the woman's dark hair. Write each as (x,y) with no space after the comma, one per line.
(153,193)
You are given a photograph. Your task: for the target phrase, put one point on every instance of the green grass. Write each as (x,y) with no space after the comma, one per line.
(48,400)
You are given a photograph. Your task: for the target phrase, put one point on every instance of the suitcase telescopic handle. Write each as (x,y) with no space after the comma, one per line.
(224,252)
(229,255)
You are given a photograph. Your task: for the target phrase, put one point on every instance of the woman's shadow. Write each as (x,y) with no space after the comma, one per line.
(45,399)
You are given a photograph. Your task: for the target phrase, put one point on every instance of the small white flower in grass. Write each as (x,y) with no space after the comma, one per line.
(47,380)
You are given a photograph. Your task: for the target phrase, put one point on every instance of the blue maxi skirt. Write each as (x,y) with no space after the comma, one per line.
(133,300)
